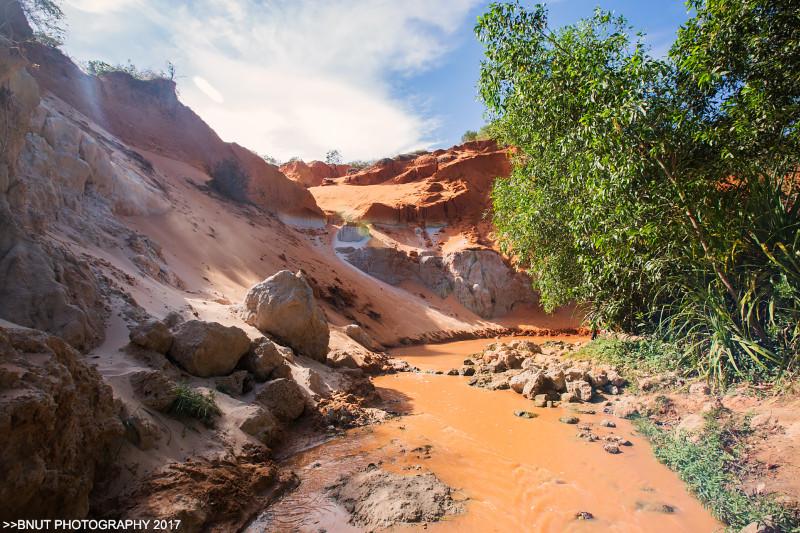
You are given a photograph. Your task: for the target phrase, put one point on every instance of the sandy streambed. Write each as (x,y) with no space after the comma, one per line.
(514,474)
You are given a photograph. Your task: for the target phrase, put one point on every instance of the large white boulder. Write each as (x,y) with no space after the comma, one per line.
(283,306)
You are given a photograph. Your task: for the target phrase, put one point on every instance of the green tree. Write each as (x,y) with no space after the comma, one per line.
(271,160)
(333,157)
(469,136)
(738,63)
(621,194)
(46,19)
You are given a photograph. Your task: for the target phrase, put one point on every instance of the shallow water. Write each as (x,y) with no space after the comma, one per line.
(515,474)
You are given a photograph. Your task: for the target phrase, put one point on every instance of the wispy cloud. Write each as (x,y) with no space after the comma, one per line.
(283,77)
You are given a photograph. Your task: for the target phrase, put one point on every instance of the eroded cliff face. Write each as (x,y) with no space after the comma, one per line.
(443,186)
(58,427)
(149,115)
(42,283)
(479,278)
(314,173)
(428,211)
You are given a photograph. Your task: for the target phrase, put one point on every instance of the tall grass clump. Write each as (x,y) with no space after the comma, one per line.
(192,403)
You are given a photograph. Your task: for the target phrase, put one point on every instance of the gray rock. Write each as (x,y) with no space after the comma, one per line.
(575,373)
(261,424)
(154,389)
(540,400)
(262,359)
(556,379)
(152,335)
(518,382)
(611,448)
(235,384)
(598,378)
(357,333)
(208,349)
(536,385)
(582,389)
(283,398)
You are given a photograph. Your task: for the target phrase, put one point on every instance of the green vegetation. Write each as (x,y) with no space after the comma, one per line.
(632,357)
(271,160)
(709,467)
(230,180)
(194,404)
(46,19)
(483,134)
(333,157)
(469,136)
(359,164)
(99,68)
(659,192)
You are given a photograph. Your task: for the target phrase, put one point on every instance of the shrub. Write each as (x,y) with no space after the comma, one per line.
(230,180)
(652,190)
(194,404)
(96,67)
(358,165)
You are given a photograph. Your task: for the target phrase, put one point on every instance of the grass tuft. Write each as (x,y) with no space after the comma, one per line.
(194,404)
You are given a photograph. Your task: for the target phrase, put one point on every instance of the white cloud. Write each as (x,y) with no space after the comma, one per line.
(298,76)
(208,89)
(100,6)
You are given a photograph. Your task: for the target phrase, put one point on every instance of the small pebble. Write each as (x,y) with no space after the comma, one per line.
(569,419)
(584,515)
(524,414)
(607,423)
(611,448)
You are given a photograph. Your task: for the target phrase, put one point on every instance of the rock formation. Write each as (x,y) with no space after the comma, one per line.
(284,306)
(441,186)
(314,173)
(152,335)
(480,279)
(58,427)
(265,358)
(484,283)
(139,112)
(283,398)
(207,349)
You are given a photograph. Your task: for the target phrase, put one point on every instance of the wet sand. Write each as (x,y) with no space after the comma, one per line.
(516,474)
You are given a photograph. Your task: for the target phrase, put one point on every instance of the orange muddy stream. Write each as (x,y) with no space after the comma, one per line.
(515,474)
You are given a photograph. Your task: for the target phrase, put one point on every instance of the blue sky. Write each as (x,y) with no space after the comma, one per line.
(371,78)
